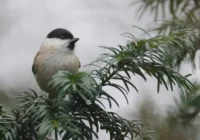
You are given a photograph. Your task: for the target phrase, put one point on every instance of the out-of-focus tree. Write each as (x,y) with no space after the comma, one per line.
(172,16)
(175,16)
(179,122)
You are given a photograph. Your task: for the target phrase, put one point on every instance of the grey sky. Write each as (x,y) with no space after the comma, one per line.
(25,23)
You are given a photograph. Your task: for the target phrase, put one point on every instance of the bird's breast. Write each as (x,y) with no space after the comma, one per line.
(50,65)
(62,61)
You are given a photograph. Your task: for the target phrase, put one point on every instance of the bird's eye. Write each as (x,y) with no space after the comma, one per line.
(62,37)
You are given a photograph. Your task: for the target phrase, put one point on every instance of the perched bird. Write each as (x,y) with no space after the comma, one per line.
(55,54)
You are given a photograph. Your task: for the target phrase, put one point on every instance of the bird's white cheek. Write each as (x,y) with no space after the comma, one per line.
(55,42)
(64,45)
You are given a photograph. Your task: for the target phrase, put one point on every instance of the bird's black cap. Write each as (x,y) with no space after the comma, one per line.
(60,33)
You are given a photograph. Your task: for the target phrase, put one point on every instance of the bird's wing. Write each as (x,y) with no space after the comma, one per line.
(79,64)
(36,62)
(34,67)
(40,57)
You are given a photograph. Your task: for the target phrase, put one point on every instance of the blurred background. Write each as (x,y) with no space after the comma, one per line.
(25,23)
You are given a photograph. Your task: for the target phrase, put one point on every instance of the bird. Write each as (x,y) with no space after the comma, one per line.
(56,53)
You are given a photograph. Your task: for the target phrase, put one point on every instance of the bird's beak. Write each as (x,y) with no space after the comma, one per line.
(72,43)
(74,40)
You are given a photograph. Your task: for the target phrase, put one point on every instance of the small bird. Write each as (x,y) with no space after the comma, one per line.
(55,54)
